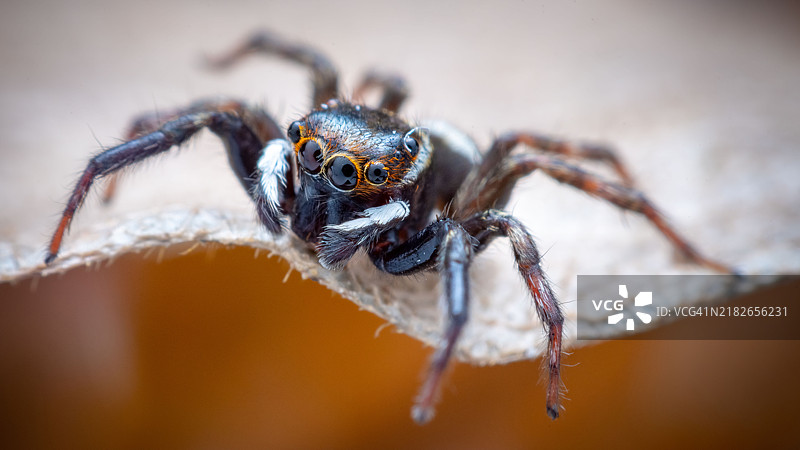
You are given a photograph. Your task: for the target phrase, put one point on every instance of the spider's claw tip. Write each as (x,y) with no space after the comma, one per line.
(49,258)
(422,414)
(552,412)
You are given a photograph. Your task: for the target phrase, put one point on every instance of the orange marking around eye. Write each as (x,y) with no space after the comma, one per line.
(321,142)
(299,145)
(367,169)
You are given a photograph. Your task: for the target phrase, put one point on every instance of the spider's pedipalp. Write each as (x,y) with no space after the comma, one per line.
(338,243)
(269,193)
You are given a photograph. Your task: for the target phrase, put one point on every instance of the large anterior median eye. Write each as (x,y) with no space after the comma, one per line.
(342,173)
(311,156)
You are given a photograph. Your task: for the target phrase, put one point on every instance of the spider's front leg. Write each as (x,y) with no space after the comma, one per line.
(486,226)
(446,245)
(393,86)
(623,197)
(483,189)
(243,144)
(490,184)
(256,119)
(324,77)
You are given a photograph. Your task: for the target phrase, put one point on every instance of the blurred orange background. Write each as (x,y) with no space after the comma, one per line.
(213,350)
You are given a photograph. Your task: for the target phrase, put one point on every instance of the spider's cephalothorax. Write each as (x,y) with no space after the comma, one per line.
(350,159)
(347,177)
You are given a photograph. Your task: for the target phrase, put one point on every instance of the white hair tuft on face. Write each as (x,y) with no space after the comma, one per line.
(338,243)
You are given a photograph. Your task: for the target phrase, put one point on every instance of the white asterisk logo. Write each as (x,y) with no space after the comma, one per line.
(641,299)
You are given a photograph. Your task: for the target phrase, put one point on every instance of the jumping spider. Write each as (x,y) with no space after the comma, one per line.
(352,177)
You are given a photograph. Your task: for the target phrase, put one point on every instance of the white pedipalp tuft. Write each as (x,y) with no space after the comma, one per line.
(338,243)
(273,167)
(389,213)
(379,216)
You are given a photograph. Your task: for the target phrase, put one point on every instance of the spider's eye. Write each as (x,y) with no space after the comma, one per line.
(311,156)
(294,131)
(411,145)
(376,173)
(342,173)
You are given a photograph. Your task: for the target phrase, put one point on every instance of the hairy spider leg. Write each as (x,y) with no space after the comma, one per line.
(481,189)
(450,245)
(256,119)
(453,260)
(324,77)
(486,226)
(243,145)
(446,245)
(395,90)
(517,166)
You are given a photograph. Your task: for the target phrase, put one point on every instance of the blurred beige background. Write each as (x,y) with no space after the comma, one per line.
(213,350)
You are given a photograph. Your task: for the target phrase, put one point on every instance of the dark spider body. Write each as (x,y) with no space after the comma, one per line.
(369,146)
(385,161)
(348,177)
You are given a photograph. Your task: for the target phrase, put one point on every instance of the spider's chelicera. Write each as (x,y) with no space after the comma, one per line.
(347,177)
